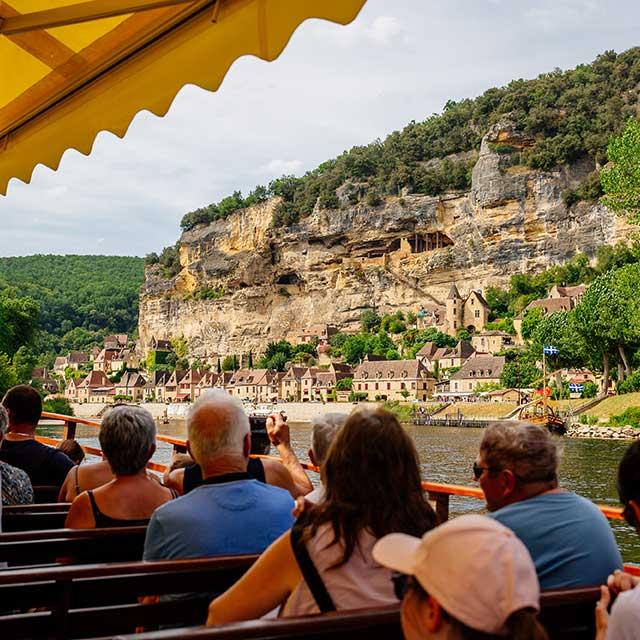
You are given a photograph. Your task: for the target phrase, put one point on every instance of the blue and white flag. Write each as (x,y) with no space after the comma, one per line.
(550,350)
(576,388)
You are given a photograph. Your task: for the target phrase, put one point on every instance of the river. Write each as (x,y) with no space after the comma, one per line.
(447,454)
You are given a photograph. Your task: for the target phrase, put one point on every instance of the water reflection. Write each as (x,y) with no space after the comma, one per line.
(588,466)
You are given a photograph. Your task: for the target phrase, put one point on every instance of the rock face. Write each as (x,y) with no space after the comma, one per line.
(399,255)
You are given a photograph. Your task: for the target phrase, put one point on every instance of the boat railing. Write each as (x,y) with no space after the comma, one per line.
(438,493)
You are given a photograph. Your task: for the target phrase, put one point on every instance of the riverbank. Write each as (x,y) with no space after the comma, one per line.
(603,432)
(295,411)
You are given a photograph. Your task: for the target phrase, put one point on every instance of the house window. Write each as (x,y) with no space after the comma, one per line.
(403,385)
(376,386)
(388,386)
(366,387)
(455,324)
(455,386)
(359,387)
(477,313)
(413,385)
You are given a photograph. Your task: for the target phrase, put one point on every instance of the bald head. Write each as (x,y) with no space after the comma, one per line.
(217,426)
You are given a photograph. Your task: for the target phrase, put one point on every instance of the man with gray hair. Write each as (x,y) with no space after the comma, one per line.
(230,513)
(569,539)
(324,429)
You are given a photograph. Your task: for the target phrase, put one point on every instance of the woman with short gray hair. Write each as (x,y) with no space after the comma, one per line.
(15,486)
(128,440)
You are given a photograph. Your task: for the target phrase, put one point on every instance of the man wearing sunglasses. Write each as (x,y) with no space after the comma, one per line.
(569,539)
(624,621)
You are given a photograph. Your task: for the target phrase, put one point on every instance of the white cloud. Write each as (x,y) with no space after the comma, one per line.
(385,31)
(279,167)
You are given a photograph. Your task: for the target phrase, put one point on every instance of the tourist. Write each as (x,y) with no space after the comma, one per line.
(569,539)
(44,465)
(178,461)
(85,477)
(468,578)
(72,449)
(373,488)
(128,440)
(324,429)
(14,483)
(230,512)
(185,479)
(624,621)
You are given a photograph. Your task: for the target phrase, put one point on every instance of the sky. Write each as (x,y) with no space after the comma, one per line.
(333,87)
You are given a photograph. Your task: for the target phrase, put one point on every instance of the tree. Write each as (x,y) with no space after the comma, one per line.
(621,180)
(7,374)
(23,363)
(344,384)
(250,359)
(228,364)
(519,373)
(370,321)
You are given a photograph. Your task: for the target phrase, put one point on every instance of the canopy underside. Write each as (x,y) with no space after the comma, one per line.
(69,70)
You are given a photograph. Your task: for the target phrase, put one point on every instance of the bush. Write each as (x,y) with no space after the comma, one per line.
(404,412)
(590,390)
(58,405)
(630,416)
(630,384)
(357,396)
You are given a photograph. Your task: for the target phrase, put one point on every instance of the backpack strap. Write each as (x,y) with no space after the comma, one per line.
(308,569)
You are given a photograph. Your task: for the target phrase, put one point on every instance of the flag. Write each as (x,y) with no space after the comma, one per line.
(550,350)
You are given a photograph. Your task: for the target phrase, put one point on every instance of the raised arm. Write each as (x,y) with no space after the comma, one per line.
(278,431)
(266,585)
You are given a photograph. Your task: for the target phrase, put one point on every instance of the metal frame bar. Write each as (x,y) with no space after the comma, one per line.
(78,13)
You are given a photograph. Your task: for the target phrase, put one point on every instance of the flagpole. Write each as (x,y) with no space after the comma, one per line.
(544,380)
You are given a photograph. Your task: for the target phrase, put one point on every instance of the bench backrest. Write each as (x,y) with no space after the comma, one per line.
(81,545)
(95,600)
(33,517)
(567,614)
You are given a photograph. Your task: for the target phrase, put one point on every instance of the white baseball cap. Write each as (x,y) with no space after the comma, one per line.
(476,568)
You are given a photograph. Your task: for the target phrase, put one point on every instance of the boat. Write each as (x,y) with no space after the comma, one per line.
(539,412)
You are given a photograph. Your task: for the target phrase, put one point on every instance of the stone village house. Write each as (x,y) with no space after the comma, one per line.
(388,379)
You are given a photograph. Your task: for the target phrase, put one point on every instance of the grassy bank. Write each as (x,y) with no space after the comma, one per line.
(615,405)
(479,409)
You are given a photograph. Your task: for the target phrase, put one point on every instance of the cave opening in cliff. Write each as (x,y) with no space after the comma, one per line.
(421,242)
(288,278)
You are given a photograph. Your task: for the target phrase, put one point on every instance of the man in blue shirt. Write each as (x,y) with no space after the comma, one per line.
(230,513)
(569,539)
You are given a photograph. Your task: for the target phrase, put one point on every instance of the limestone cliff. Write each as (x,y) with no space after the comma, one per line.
(336,263)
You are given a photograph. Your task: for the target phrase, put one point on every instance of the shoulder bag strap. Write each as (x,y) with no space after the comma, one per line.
(308,569)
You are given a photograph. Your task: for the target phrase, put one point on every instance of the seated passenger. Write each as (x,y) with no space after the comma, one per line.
(184,479)
(83,478)
(468,578)
(44,465)
(373,488)
(14,483)
(128,440)
(229,512)
(73,450)
(324,429)
(624,621)
(569,539)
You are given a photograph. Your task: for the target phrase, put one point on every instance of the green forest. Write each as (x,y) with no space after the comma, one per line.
(566,115)
(53,304)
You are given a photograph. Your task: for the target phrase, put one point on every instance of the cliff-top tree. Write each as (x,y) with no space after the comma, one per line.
(621,180)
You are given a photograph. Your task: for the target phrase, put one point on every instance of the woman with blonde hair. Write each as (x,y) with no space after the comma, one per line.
(373,488)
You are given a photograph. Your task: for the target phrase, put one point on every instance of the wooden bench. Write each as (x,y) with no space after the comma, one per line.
(92,600)
(566,613)
(81,545)
(33,517)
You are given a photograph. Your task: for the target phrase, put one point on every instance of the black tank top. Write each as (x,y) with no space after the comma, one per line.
(103,520)
(193,474)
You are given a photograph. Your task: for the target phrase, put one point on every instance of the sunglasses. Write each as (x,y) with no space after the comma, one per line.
(478,470)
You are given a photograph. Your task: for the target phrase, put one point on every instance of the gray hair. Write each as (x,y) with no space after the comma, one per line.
(4,421)
(127,438)
(217,425)
(324,429)
(526,449)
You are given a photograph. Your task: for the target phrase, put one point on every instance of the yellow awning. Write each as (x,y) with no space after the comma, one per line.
(69,70)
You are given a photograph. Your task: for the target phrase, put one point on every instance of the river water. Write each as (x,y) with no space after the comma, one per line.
(588,467)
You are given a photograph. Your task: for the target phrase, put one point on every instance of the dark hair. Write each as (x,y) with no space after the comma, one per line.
(629,475)
(72,449)
(521,625)
(24,404)
(372,481)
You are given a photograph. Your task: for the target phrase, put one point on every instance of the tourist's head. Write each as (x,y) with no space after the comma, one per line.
(372,481)
(516,461)
(24,406)
(217,427)
(629,484)
(323,431)
(4,422)
(471,577)
(72,449)
(128,439)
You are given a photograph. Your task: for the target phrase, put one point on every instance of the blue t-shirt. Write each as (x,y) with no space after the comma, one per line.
(569,539)
(229,518)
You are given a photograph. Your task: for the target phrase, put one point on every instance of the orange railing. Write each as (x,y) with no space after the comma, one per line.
(438,493)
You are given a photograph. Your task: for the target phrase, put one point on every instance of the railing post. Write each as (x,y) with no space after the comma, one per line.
(442,504)
(69,431)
